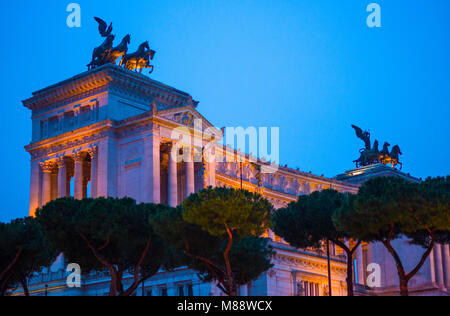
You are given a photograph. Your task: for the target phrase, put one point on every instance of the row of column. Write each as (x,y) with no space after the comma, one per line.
(190,174)
(56,174)
(440,265)
(60,167)
(152,170)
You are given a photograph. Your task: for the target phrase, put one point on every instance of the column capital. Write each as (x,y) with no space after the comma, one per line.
(47,166)
(171,144)
(92,150)
(60,161)
(78,156)
(190,153)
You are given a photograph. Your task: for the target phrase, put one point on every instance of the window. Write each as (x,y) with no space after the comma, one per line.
(69,121)
(163,291)
(180,290)
(53,125)
(43,129)
(85,115)
(148,292)
(311,289)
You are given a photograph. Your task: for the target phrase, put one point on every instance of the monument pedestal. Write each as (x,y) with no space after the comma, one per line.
(361,175)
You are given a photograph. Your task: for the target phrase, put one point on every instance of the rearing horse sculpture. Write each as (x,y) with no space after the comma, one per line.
(138,60)
(370,155)
(119,51)
(145,62)
(393,157)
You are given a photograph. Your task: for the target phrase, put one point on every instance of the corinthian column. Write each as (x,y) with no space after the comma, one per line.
(78,190)
(205,169)
(360,265)
(212,167)
(439,266)
(46,182)
(446,258)
(173,185)
(152,168)
(190,183)
(94,161)
(62,178)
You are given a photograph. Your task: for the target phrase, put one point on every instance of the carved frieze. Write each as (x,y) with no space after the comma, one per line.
(57,148)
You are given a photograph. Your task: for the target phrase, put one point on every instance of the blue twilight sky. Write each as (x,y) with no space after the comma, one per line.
(310,67)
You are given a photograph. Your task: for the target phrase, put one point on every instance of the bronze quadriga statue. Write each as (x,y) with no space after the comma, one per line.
(106,53)
(371,155)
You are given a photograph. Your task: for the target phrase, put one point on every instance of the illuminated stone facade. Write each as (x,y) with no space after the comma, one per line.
(111,132)
(432,279)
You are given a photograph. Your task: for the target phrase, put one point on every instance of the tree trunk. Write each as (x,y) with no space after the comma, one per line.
(226,255)
(402,276)
(137,268)
(403,280)
(4,284)
(350,274)
(113,286)
(109,266)
(404,290)
(6,271)
(349,252)
(330,291)
(119,284)
(23,282)
(214,269)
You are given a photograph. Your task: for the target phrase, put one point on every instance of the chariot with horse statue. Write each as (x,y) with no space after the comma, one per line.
(106,53)
(371,155)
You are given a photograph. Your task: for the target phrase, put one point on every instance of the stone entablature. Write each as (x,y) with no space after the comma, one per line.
(106,93)
(281,185)
(109,77)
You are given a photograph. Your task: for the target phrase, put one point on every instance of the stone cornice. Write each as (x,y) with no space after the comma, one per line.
(361,175)
(44,151)
(285,171)
(108,76)
(72,140)
(271,195)
(282,195)
(314,263)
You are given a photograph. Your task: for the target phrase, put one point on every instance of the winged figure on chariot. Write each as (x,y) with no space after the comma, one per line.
(370,155)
